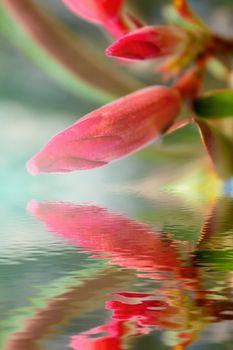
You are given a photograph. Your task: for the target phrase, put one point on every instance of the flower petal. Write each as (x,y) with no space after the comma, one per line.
(215,104)
(95,10)
(148,42)
(86,9)
(103,12)
(110,132)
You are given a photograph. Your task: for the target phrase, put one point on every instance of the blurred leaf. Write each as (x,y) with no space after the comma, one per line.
(219,148)
(217,69)
(216,104)
(174,17)
(60,53)
(184,10)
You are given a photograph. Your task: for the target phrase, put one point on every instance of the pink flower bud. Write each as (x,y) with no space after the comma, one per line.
(107,13)
(110,132)
(148,42)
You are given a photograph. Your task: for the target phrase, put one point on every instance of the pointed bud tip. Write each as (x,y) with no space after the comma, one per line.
(32,167)
(115,51)
(109,51)
(135,50)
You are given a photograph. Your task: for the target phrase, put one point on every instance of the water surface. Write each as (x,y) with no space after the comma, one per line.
(137,255)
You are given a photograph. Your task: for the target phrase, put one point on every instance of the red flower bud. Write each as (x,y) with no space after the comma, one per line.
(110,132)
(148,42)
(103,12)
(95,10)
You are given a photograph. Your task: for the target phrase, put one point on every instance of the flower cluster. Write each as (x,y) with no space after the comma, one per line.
(131,122)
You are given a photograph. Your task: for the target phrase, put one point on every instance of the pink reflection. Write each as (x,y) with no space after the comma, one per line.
(111,340)
(137,315)
(136,246)
(128,243)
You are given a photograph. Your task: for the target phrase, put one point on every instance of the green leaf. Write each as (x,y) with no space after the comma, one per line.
(216,104)
(217,260)
(218,146)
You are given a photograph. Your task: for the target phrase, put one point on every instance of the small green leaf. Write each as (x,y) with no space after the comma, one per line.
(217,104)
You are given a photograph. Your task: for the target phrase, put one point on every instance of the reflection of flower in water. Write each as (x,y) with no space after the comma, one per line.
(180,306)
(127,242)
(139,314)
(112,339)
